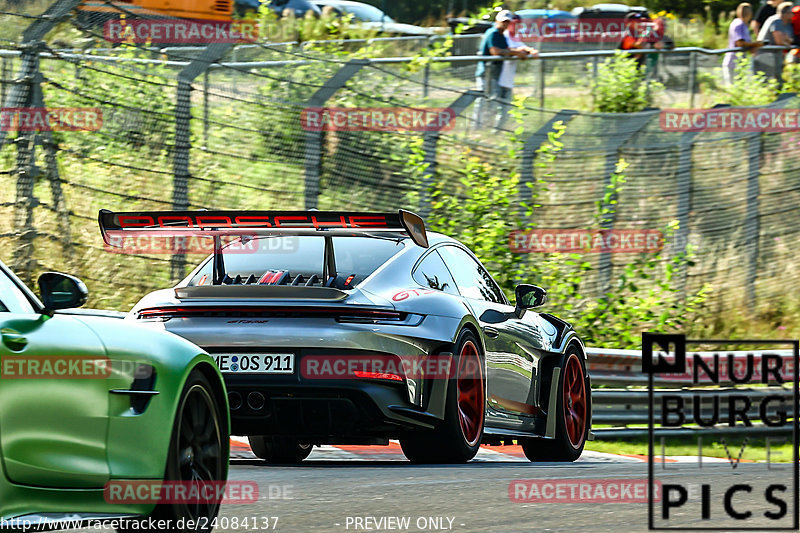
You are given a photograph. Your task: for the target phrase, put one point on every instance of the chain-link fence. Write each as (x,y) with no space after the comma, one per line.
(221,126)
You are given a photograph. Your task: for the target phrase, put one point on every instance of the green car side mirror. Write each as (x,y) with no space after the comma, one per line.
(61,291)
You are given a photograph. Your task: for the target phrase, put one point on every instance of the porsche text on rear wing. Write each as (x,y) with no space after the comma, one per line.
(247,225)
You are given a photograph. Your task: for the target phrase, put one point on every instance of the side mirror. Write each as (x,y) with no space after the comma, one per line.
(528,297)
(61,291)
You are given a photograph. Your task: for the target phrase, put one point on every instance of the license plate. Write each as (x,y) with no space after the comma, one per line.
(255,363)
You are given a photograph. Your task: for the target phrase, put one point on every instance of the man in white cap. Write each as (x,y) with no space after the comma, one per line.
(494,43)
(509,70)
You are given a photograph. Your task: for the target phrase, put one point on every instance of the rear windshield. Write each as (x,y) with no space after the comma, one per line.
(300,256)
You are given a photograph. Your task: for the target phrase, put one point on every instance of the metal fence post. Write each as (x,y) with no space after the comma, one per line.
(637,122)
(426,77)
(46,139)
(430,142)
(234,73)
(6,72)
(426,73)
(183,141)
(752,223)
(692,77)
(27,172)
(684,193)
(313,156)
(205,109)
(541,83)
(22,95)
(31,41)
(529,148)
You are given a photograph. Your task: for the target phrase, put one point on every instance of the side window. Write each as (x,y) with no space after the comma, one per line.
(472,279)
(432,273)
(11,298)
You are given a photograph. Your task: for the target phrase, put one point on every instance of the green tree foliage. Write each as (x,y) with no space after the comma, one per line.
(791,78)
(480,206)
(686,8)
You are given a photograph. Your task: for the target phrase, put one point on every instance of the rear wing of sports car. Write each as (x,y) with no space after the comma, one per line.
(224,223)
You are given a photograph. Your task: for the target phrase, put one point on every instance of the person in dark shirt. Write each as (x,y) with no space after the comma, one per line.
(487,75)
(641,33)
(776,31)
(764,12)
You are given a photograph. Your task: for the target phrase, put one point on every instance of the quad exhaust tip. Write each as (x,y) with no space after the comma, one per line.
(235,400)
(256,401)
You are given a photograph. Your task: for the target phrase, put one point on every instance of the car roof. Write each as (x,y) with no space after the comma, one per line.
(617,7)
(548,13)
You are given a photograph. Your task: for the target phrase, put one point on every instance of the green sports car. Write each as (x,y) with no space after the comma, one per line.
(92,409)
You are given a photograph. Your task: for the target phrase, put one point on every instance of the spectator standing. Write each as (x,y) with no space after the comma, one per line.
(641,32)
(487,75)
(738,37)
(776,30)
(764,12)
(509,68)
(633,39)
(659,40)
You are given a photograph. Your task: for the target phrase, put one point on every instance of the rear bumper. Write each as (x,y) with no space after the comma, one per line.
(323,414)
(331,411)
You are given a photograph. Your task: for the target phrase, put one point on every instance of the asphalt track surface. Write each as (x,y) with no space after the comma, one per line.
(358,488)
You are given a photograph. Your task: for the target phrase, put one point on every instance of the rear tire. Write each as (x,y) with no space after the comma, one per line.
(573,412)
(458,437)
(198,453)
(279,450)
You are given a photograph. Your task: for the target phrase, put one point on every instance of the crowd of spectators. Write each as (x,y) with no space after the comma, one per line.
(774,24)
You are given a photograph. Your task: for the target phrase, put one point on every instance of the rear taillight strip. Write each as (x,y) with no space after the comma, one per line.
(195,311)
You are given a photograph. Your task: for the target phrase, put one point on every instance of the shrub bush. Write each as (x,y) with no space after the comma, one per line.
(621,86)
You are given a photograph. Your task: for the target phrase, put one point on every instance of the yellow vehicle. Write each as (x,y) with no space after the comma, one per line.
(94,12)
